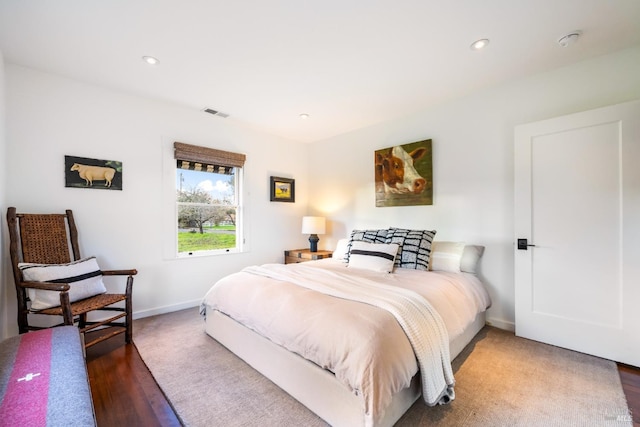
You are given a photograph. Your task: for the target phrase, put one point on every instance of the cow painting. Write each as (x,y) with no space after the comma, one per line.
(403,175)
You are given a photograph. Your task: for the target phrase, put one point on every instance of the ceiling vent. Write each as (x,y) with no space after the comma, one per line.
(216,112)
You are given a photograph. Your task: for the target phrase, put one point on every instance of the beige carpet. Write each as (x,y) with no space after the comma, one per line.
(501,380)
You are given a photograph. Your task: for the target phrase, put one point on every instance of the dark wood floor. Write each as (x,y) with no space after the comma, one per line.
(125,393)
(630,377)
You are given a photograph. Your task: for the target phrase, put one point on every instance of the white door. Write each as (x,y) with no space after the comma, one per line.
(577,201)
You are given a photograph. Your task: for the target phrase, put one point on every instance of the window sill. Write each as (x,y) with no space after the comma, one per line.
(199,254)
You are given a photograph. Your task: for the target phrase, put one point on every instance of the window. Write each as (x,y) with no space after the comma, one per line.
(208,200)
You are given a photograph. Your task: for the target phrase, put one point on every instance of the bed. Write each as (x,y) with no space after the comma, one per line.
(332,334)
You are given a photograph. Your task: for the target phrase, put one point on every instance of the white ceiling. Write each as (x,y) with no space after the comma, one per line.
(347,63)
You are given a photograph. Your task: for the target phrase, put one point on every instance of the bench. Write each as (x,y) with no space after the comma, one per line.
(43,380)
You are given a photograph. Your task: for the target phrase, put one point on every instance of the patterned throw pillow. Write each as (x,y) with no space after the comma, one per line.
(83,276)
(373,256)
(414,247)
(370,236)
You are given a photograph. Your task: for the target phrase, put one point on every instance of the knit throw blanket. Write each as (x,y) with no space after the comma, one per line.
(419,320)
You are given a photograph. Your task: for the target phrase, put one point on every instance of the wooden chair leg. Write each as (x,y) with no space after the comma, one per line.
(67,314)
(128,336)
(23,322)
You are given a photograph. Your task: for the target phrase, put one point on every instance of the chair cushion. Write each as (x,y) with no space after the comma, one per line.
(83,276)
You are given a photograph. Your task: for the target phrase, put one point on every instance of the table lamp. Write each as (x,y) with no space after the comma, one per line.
(313,225)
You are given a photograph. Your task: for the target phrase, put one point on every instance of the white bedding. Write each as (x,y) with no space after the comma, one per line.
(364,347)
(420,322)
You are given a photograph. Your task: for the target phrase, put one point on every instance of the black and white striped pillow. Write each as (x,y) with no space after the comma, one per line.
(373,256)
(83,276)
(371,236)
(414,247)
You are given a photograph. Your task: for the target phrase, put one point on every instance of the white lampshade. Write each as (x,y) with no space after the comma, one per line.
(313,225)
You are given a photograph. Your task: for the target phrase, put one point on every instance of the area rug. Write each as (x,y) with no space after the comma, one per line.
(501,380)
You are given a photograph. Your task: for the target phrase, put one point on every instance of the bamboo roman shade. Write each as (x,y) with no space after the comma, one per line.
(206,159)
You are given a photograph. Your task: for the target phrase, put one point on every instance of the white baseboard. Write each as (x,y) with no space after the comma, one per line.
(166,309)
(501,324)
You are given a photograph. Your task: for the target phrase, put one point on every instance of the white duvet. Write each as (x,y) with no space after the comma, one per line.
(363,345)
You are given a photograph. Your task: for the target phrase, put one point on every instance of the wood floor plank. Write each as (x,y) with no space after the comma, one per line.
(630,379)
(124,391)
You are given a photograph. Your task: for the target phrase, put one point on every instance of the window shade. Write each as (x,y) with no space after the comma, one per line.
(204,167)
(189,156)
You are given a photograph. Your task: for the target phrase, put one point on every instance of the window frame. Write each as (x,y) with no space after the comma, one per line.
(217,158)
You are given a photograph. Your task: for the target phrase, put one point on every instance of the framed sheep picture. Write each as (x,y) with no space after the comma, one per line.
(82,172)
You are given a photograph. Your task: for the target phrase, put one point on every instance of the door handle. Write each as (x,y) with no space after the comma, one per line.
(523,244)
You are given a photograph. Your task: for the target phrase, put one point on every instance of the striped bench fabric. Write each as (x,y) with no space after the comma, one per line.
(43,380)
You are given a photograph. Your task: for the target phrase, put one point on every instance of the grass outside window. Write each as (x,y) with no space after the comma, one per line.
(214,238)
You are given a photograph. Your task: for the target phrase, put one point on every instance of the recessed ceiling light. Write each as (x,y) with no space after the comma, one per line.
(479,44)
(150,60)
(304,116)
(569,39)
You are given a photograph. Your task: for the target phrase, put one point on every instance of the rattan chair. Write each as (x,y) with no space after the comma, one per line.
(53,239)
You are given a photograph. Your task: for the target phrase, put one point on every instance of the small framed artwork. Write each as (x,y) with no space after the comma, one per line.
(283,189)
(82,172)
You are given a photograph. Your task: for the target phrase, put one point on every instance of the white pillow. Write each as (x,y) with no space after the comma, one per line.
(373,256)
(341,250)
(446,256)
(471,258)
(83,276)
(371,236)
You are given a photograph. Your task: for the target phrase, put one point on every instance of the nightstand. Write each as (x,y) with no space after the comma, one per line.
(304,255)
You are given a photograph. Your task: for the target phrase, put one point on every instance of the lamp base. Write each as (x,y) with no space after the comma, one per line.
(313,242)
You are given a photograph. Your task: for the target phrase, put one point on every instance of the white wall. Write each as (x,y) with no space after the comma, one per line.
(49,117)
(472,162)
